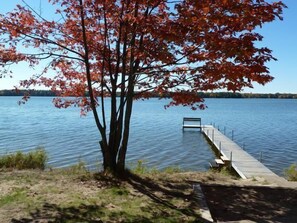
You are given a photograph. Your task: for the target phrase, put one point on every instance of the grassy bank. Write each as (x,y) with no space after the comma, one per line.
(75,195)
(291,172)
(146,195)
(35,159)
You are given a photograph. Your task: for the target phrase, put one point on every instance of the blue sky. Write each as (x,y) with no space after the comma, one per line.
(279,36)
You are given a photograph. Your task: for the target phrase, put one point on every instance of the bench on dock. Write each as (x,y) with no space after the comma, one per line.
(191,123)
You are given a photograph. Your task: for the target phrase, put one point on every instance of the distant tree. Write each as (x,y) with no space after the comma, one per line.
(135,49)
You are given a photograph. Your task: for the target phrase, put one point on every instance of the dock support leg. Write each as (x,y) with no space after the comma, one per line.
(230,165)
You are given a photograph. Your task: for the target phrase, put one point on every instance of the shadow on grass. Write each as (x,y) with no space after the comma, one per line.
(169,202)
(162,194)
(83,213)
(53,213)
(255,203)
(92,214)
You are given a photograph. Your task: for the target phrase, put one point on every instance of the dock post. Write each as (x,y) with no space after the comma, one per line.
(218,127)
(224,130)
(261,156)
(230,165)
(232,135)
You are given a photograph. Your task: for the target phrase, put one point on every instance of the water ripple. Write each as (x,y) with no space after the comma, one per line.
(261,126)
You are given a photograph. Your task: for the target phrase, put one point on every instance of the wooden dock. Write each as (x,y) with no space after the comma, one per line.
(243,163)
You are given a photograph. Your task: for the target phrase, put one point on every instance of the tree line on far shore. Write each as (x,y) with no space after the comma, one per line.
(48,93)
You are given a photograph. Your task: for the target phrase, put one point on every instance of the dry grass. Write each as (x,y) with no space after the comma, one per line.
(35,159)
(75,195)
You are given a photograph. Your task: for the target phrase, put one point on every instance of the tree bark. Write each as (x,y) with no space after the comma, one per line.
(123,150)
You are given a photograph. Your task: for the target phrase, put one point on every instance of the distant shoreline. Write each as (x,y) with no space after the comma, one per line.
(47,93)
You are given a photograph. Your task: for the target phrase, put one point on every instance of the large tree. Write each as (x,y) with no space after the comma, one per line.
(132,49)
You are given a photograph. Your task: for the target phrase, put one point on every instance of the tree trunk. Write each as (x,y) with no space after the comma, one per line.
(123,150)
(109,158)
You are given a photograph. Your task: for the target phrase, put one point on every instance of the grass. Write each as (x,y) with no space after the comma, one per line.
(35,159)
(76,195)
(291,173)
(141,168)
(16,196)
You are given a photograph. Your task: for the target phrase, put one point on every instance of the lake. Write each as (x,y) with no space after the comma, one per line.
(266,126)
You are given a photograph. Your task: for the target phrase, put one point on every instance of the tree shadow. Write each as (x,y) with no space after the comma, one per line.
(83,213)
(162,193)
(255,203)
(54,213)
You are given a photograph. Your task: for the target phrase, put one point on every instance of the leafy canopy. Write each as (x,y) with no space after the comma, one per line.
(174,48)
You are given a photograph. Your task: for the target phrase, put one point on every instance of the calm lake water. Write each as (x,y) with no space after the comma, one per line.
(260,125)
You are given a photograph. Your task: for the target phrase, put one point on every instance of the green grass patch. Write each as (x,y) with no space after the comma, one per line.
(18,195)
(141,168)
(75,195)
(291,173)
(172,169)
(118,191)
(35,159)
(78,168)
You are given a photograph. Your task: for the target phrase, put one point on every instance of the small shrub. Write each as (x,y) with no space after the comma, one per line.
(291,173)
(35,159)
(140,168)
(78,168)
